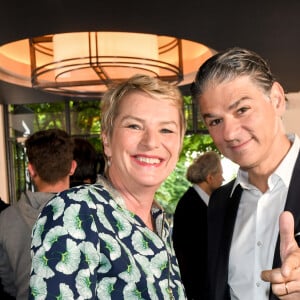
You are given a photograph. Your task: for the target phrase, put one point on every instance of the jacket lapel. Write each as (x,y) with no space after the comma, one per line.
(224,250)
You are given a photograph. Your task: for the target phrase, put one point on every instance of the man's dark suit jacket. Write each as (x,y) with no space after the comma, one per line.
(189,239)
(222,212)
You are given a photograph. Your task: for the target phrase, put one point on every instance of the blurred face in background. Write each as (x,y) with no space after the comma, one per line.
(217,178)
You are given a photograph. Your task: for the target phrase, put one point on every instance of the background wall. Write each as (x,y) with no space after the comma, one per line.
(291,117)
(3,165)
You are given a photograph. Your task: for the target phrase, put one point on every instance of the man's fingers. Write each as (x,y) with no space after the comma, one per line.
(287,238)
(273,276)
(285,281)
(288,244)
(283,286)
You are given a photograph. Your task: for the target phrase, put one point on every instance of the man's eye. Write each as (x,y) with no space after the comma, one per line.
(214,122)
(242,110)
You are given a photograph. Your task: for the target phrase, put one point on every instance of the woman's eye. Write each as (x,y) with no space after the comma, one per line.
(165,130)
(134,126)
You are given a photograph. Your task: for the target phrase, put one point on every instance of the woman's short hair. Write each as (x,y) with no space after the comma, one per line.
(152,86)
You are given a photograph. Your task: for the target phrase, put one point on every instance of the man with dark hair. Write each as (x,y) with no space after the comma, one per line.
(87,161)
(50,164)
(254,220)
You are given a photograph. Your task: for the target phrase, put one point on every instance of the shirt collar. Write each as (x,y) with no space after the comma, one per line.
(201,193)
(284,170)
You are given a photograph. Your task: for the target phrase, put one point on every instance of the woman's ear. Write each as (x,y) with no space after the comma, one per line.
(106,145)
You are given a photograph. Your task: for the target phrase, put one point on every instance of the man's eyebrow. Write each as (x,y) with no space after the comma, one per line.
(230,107)
(237,102)
(208,115)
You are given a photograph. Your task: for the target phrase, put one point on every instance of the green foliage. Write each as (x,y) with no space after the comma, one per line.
(85,117)
(176,184)
(172,188)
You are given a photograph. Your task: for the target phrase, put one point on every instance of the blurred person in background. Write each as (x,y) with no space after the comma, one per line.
(3,204)
(50,164)
(87,161)
(190,217)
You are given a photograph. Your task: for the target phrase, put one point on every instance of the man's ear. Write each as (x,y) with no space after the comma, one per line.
(278,98)
(73,167)
(31,170)
(209,178)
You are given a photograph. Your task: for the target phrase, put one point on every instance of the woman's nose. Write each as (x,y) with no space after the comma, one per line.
(150,138)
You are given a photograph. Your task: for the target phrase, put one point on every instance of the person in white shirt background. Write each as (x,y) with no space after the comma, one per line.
(205,175)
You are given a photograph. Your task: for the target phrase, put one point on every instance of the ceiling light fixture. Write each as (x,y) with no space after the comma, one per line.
(84,64)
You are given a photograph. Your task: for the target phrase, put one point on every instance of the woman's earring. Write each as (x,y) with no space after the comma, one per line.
(109,162)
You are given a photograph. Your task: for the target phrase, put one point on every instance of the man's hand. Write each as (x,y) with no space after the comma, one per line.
(285,281)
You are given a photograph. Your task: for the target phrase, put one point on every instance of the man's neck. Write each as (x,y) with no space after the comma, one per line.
(53,187)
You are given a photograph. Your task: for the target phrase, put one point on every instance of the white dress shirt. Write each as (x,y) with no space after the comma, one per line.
(201,193)
(256,230)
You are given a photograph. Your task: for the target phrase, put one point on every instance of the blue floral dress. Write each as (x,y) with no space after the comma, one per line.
(87,245)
